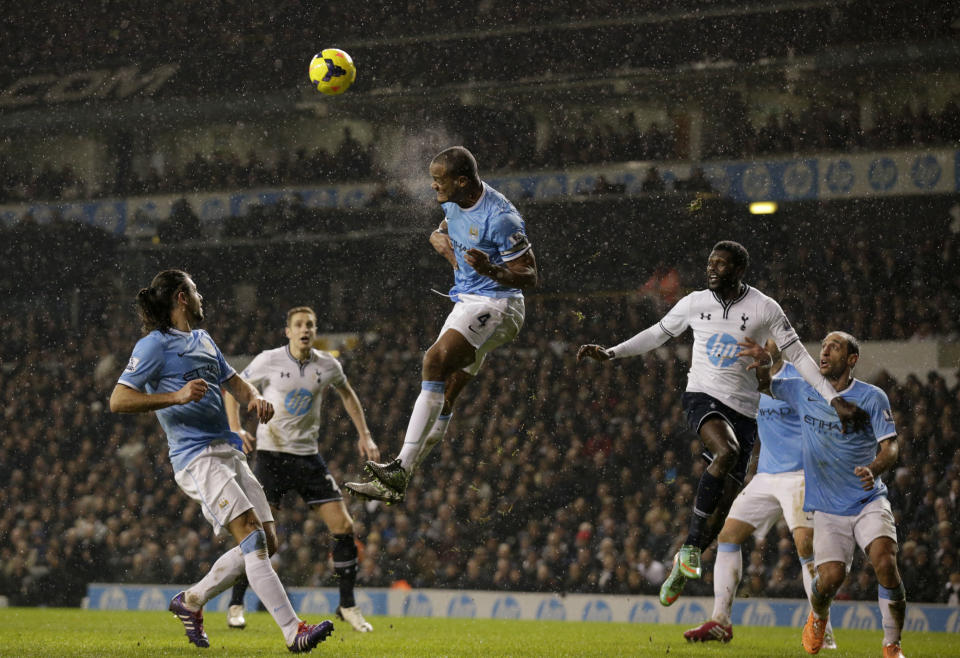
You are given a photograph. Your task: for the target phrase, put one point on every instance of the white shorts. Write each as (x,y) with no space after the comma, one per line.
(220,479)
(766,497)
(486,323)
(835,536)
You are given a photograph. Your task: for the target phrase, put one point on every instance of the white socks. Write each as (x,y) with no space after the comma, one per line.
(221,576)
(265,582)
(727,572)
(428,406)
(807,572)
(893,610)
(433,438)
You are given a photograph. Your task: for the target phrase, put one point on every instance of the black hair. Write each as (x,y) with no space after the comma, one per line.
(155,303)
(458,161)
(738,253)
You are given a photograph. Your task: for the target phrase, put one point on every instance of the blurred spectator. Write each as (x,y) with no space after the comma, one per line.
(652,182)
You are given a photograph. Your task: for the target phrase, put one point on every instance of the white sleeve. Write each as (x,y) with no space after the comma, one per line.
(674,323)
(793,350)
(648,339)
(257,371)
(797,354)
(337,376)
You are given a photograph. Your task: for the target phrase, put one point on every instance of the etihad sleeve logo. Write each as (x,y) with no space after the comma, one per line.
(132,364)
(223,503)
(888,415)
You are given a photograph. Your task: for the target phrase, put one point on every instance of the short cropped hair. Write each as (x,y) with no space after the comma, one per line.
(458,161)
(300,309)
(853,345)
(738,253)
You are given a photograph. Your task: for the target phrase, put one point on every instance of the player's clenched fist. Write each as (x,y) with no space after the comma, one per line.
(593,352)
(193,391)
(262,408)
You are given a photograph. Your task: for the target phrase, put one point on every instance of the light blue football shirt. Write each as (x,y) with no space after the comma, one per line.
(162,362)
(829,455)
(781,446)
(492,225)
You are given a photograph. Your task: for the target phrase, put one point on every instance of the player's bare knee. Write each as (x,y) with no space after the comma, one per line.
(342,526)
(726,456)
(885,565)
(436,363)
(244,524)
(832,576)
(432,360)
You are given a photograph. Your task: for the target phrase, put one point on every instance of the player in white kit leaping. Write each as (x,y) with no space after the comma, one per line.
(721,397)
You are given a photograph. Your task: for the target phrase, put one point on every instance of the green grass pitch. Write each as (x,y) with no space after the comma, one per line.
(75,632)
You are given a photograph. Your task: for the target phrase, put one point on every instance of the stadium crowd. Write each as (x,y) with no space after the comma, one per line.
(819,128)
(554,477)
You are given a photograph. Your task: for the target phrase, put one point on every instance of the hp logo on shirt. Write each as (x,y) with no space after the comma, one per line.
(722,350)
(298,402)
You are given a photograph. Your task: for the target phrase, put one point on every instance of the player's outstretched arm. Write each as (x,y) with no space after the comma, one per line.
(440,241)
(520,272)
(365,444)
(246,394)
(126,400)
(648,339)
(886,458)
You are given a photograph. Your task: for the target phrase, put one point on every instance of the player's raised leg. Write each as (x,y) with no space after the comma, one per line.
(719,438)
(455,383)
(446,357)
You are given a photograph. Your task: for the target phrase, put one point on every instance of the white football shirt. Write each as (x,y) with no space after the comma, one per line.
(295,388)
(718,326)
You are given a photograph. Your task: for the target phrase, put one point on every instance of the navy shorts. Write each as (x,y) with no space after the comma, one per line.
(700,406)
(280,472)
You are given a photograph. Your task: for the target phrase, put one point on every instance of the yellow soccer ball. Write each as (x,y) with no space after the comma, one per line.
(332,71)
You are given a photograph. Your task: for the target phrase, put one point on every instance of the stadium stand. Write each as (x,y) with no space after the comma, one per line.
(541,486)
